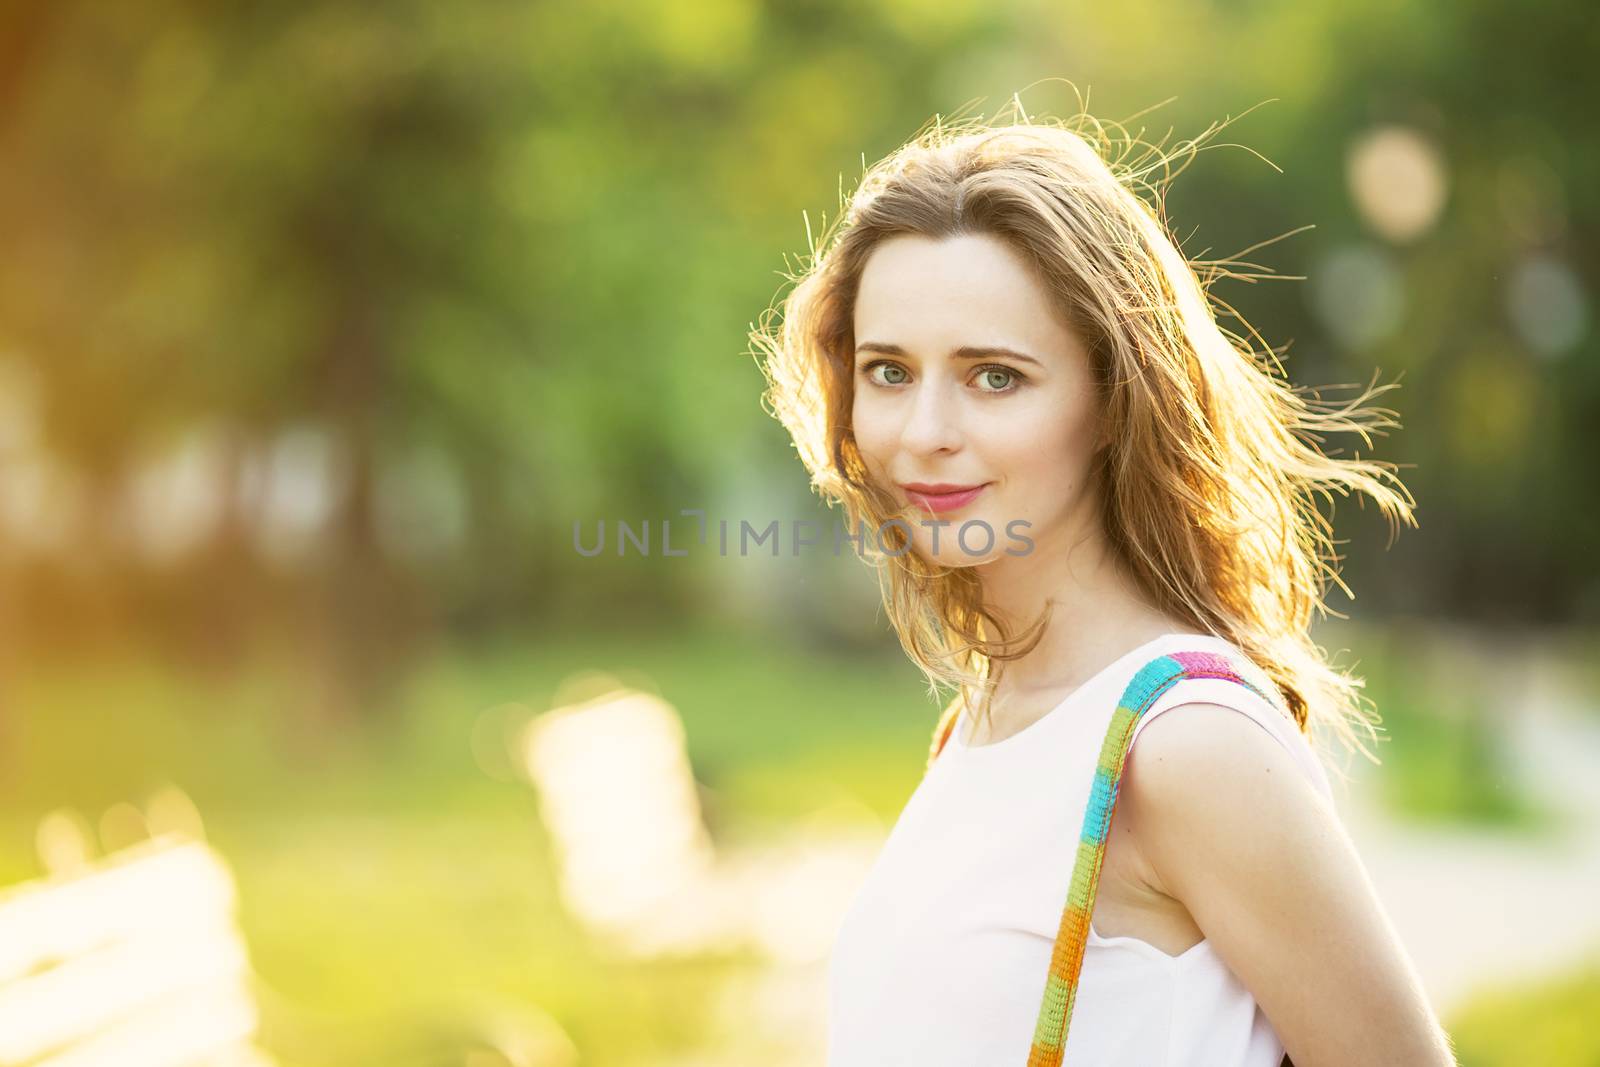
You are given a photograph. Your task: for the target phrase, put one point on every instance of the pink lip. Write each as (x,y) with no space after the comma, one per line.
(942,497)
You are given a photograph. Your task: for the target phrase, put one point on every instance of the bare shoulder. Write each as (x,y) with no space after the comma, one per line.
(1198,747)
(1208,773)
(1230,826)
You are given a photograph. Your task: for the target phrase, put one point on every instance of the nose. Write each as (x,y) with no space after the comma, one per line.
(933,421)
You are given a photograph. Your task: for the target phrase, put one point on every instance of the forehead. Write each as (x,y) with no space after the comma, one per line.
(973,289)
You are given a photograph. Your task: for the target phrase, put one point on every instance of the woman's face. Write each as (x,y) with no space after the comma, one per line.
(974,403)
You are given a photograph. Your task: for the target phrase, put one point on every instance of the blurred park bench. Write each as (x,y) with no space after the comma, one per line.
(635,861)
(129,960)
(636,865)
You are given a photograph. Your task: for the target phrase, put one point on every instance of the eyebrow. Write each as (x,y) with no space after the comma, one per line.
(964,352)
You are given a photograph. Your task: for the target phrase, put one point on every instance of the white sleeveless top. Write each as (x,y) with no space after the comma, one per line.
(942,957)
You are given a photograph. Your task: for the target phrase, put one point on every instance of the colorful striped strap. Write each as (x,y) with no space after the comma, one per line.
(941,733)
(1066,960)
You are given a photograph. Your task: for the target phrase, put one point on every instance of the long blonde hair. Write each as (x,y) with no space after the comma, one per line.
(1210,478)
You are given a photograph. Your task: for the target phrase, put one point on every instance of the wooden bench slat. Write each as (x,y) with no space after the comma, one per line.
(92,991)
(181,1033)
(157,886)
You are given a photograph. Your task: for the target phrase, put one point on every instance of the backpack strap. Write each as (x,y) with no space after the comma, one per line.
(1066,961)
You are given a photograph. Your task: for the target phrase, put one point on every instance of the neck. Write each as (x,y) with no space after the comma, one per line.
(1097,612)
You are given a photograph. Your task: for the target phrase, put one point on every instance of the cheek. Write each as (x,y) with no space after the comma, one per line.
(1044,446)
(868,425)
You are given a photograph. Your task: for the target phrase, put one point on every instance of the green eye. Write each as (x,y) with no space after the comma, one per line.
(892,373)
(996,379)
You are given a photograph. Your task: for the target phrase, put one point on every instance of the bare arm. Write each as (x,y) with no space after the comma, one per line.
(1228,825)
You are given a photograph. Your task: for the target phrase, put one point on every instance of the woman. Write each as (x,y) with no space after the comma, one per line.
(1094,508)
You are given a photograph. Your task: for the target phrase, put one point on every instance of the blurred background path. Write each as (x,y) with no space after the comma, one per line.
(1479,907)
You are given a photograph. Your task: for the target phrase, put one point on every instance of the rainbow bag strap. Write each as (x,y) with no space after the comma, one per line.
(1066,960)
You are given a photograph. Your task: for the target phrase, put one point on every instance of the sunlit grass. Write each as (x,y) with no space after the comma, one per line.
(389,887)
(1550,1022)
